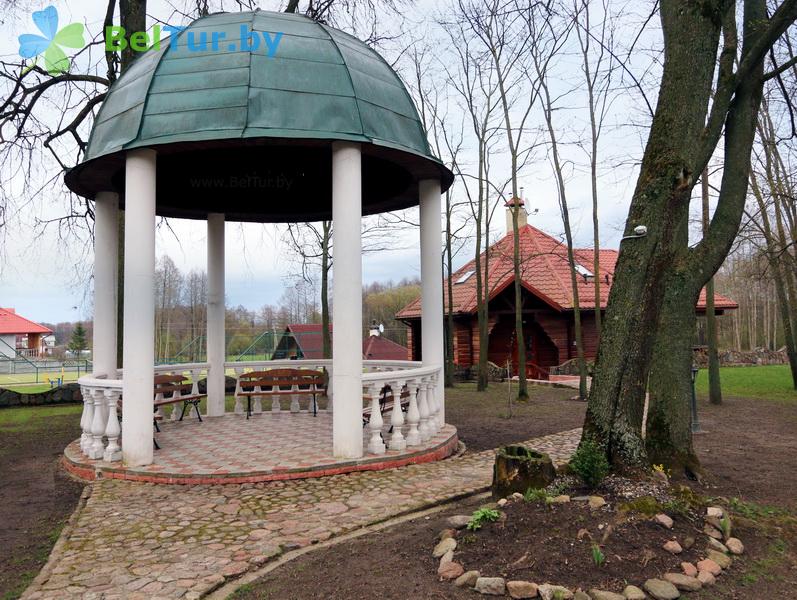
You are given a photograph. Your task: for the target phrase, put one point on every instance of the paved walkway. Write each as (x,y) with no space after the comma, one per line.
(136,540)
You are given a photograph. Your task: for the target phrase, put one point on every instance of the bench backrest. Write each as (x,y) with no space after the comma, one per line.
(282,378)
(169,384)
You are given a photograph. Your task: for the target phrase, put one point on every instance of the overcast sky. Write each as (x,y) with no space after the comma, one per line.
(45,277)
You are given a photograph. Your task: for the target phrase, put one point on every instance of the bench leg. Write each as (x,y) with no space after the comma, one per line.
(196,408)
(248,407)
(315,406)
(182,412)
(154,441)
(157,427)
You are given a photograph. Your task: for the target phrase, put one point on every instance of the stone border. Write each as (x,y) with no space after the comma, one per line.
(718,529)
(89,472)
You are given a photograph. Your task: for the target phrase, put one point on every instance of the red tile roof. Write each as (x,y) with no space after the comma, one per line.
(12,323)
(545,272)
(377,347)
(374,347)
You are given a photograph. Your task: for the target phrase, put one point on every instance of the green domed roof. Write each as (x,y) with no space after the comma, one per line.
(320,85)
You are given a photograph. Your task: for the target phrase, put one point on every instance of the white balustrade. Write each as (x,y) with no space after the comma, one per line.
(99,420)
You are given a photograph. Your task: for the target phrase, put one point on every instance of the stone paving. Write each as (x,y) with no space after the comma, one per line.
(143,541)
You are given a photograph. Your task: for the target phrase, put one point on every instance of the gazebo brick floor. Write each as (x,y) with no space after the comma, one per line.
(267,447)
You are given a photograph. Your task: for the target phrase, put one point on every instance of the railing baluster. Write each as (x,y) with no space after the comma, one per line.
(397,441)
(86,419)
(433,424)
(413,416)
(113,451)
(376,445)
(97,425)
(275,400)
(423,410)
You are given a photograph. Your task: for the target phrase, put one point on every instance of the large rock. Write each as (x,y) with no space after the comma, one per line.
(548,592)
(467,579)
(735,546)
(444,546)
(709,566)
(723,560)
(518,468)
(706,578)
(450,570)
(603,595)
(717,545)
(491,586)
(458,521)
(664,520)
(689,569)
(683,582)
(673,547)
(521,589)
(661,590)
(632,592)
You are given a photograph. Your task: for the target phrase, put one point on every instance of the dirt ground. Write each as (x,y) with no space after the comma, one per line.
(749,451)
(36,497)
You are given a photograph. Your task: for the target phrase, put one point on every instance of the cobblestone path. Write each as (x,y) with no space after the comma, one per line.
(137,540)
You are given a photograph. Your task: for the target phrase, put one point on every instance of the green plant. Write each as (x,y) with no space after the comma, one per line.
(482,516)
(468,538)
(558,595)
(597,555)
(725,525)
(589,463)
(535,495)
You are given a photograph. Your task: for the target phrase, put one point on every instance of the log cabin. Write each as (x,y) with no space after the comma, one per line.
(547,301)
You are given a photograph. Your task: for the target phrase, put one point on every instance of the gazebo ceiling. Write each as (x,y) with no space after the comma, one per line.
(250,135)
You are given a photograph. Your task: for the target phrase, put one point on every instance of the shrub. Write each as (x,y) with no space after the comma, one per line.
(535,495)
(482,516)
(589,463)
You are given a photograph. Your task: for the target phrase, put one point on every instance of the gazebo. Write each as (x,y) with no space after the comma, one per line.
(321,129)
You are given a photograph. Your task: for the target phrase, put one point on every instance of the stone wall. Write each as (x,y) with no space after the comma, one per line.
(65,394)
(759,356)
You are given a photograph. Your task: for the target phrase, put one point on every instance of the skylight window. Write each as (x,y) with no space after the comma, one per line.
(465,276)
(583,271)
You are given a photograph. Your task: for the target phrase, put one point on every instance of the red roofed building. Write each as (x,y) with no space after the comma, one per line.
(305,342)
(547,304)
(20,335)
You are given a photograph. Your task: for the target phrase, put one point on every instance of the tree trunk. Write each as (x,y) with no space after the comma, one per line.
(660,202)
(449,370)
(325,335)
(714,385)
(668,437)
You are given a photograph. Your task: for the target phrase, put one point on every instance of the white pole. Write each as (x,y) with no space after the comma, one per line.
(139,308)
(347,363)
(215,340)
(432,335)
(106,253)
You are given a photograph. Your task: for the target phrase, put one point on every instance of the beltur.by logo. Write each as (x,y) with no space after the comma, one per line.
(52,41)
(203,41)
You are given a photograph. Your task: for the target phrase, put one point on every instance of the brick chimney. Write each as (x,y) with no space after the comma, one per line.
(522,217)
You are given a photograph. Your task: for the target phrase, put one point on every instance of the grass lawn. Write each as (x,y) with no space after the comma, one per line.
(766,382)
(9,379)
(34,418)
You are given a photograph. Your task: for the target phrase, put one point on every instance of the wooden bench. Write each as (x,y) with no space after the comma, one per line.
(386,401)
(173,389)
(273,382)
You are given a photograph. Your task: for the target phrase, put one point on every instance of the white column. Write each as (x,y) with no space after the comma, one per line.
(432,336)
(139,308)
(347,362)
(215,341)
(106,253)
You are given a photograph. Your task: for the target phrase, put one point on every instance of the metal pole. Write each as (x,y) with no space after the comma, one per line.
(695,420)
